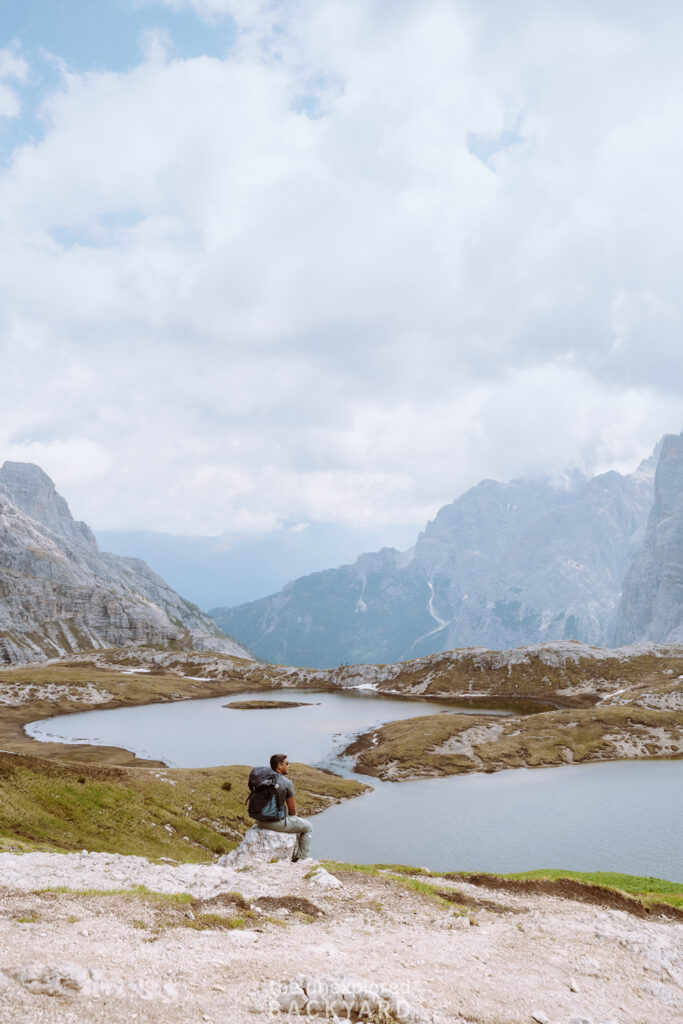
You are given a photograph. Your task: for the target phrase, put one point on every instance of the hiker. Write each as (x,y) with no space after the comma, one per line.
(280,814)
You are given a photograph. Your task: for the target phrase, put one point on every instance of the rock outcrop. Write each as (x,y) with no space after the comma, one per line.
(504,565)
(59,594)
(652,599)
(260,846)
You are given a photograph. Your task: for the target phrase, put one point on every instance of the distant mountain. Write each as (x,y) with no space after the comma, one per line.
(503,565)
(652,600)
(227,571)
(59,594)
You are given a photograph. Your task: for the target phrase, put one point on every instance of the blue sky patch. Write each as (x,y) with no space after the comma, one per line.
(485,147)
(91,35)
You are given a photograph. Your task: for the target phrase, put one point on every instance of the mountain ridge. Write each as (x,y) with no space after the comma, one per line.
(652,597)
(505,564)
(59,594)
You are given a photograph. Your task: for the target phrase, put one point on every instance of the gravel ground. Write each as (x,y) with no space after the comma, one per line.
(510,958)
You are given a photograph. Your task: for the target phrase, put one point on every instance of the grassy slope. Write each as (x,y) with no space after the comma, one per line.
(187,815)
(649,892)
(578,682)
(125,809)
(57,796)
(420,746)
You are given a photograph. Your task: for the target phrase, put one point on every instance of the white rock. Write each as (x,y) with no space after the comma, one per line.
(324,880)
(90,599)
(540,1017)
(260,846)
(56,980)
(68,979)
(243,938)
(458,921)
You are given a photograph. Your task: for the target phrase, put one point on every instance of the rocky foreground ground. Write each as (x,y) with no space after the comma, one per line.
(101,938)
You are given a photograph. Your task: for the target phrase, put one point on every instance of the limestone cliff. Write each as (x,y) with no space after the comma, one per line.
(60,594)
(652,597)
(505,564)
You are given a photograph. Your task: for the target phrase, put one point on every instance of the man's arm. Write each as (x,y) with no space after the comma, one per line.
(288,794)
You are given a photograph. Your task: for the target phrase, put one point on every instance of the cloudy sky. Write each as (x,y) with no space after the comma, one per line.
(334,260)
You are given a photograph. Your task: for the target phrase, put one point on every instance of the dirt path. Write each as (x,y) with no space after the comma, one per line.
(492,957)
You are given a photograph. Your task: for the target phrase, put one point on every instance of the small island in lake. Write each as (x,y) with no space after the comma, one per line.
(268,705)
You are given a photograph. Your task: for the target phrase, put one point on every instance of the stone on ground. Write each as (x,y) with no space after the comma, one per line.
(320,877)
(260,846)
(69,979)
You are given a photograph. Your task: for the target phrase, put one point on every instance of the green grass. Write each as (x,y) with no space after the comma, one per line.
(424,889)
(204,922)
(182,815)
(415,746)
(339,865)
(647,889)
(401,874)
(137,892)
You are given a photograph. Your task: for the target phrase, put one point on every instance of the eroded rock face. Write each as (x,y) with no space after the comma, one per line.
(503,566)
(260,846)
(652,599)
(59,594)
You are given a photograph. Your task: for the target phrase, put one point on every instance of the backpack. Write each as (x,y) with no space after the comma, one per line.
(266,795)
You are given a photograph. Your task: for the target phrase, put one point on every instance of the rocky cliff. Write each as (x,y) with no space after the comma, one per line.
(503,565)
(652,599)
(60,594)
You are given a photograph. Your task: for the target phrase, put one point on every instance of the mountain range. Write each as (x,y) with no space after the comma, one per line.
(506,564)
(60,594)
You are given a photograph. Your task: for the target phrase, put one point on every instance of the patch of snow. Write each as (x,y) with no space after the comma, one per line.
(430,607)
(361,606)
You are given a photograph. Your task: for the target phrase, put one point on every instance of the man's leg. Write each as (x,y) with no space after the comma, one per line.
(305,830)
(293,824)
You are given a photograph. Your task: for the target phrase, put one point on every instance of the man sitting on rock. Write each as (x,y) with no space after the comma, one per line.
(288,820)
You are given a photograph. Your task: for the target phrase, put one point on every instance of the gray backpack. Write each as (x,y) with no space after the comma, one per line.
(266,795)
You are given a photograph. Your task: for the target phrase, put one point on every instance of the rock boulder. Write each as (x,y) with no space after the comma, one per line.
(260,846)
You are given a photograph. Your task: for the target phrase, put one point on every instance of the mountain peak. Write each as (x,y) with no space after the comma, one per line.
(65,596)
(32,490)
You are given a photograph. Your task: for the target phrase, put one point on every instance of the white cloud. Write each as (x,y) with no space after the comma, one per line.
(281,285)
(13,69)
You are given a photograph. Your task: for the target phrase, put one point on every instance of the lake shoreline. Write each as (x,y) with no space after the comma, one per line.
(437,747)
(561,688)
(443,746)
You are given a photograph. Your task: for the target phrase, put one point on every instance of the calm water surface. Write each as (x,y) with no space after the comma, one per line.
(199,733)
(622,816)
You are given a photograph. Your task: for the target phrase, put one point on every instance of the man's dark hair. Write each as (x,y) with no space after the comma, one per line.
(277,760)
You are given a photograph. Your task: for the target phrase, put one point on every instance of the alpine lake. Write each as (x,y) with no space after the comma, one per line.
(622,816)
